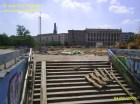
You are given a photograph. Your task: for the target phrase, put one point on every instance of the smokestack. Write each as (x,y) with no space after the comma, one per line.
(55,29)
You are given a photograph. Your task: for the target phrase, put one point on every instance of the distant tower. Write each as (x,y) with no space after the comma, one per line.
(55,29)
(40,31)
(40,26)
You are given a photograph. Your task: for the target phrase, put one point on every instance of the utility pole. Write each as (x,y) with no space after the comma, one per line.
(40,32)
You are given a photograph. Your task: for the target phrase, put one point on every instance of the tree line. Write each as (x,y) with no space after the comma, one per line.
(22,38)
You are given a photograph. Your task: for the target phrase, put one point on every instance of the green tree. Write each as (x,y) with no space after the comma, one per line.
(131,39)
(53,43)
(14,40)
(4,40)
(22,31)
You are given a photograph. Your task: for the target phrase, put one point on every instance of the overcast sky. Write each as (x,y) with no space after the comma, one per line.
(70,14)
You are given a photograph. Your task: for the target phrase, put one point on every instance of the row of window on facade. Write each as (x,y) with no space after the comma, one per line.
(102,34)
(103,39)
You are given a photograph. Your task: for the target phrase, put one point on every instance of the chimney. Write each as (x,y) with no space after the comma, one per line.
(55,29)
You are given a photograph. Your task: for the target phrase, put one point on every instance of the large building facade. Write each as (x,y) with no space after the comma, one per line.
(76,37)
(94,37)
(125,36)
(87,37)
(102,37)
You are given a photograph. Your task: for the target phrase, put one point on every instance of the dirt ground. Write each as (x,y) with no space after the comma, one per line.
(39,57)
(88,54)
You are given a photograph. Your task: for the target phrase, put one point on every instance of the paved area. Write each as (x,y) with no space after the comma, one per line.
(41,57)
(2,51)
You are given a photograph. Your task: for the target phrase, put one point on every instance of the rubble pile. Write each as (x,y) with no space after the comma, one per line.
(71,52)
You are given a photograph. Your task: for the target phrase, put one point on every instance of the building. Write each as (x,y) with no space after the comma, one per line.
(61,37)
(94,37)
(125,36)
(87,37)
(76,37)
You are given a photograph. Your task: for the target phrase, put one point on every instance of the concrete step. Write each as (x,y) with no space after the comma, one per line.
(73,72)
(61,80)
(36,101)
(37,90)
(47,62)
(84,92)
(36,96)
(77,64)
(85,87)
(70,76)
(84,66)
(84,97)
(98,101)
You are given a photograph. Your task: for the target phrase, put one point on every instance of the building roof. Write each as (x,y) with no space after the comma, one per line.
(99,29)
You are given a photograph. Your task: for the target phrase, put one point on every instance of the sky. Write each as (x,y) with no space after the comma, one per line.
(69,14)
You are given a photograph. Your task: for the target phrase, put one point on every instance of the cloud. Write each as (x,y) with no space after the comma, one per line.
(32,16)
(120,9)
(13,22)
(137,20)
(105,26)
(1,22)
(73,4)
(101,1)
(116,7)
(130,21)
(127,21)
(114,2)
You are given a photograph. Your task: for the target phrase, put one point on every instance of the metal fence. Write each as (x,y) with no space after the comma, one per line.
(124,71)
(25,93)
(6,57)
(127,52)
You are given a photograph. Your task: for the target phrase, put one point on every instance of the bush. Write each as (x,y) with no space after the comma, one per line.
(53,43)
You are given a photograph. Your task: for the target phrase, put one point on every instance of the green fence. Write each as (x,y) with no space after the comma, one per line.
(124,71)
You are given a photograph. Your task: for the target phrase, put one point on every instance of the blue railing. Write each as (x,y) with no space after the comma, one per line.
(125,72)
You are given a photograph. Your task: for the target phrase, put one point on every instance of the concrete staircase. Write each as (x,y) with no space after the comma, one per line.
(65,83)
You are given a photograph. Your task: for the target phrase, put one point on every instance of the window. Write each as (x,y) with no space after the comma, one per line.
(91,35)
(47,39)
(88,35)
(59,38)
(88,39)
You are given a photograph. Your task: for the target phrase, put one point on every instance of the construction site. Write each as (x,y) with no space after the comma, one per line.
(59,75)
(78,76)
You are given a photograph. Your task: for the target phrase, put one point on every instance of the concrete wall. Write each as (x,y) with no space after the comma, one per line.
(11,84)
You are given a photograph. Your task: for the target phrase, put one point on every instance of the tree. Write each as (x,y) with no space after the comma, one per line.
(137,41)
(22,31)
(131,39)
(4,40)
(53,43)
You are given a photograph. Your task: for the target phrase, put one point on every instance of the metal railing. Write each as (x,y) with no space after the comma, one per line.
(6,57)
(126,52)
(125,72)
(24,95)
